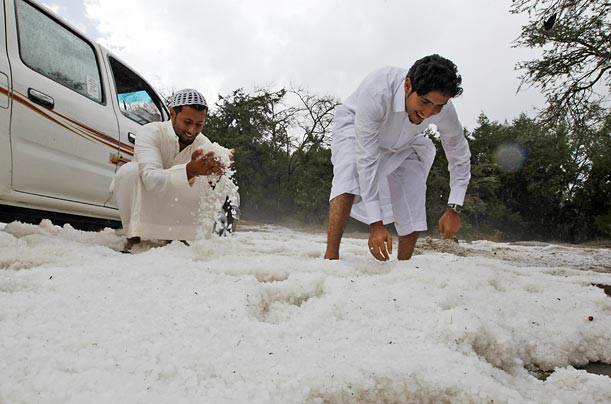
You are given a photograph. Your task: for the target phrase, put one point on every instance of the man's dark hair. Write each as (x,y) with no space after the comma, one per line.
(197,107)
(435,73)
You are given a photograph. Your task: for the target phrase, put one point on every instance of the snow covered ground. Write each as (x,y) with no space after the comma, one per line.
(260,317)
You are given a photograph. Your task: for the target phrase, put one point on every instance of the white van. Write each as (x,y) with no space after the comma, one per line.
(69,109)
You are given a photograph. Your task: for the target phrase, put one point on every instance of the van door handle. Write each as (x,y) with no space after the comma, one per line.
(131,137)
(41,98)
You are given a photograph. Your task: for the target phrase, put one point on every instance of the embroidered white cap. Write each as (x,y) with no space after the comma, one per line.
(187,96)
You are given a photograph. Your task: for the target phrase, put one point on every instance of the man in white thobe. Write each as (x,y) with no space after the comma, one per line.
(381,157)
(157,195)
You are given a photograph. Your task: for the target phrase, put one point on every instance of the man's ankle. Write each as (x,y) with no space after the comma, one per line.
(331,255)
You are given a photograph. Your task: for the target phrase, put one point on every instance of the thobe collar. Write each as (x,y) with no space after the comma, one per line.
(398,102)
(168,128)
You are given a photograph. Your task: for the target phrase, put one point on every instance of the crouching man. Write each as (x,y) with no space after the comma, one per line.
(381,157)
(157,195)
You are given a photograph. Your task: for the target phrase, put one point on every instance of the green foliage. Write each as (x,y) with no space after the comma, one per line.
(544,191)
(562,190)
(592,200)
(312,187)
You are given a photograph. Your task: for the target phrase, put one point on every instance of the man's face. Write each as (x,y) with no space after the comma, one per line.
(188,123)
(419,107)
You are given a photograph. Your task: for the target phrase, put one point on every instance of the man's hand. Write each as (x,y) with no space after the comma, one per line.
(380,242)
(204,164)
(449,224)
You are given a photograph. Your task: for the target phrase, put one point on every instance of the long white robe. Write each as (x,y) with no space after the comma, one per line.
(154,196)
(384,159)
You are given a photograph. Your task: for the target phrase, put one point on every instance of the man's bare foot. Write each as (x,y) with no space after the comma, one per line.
(129,244)
(166,242)
(331,254)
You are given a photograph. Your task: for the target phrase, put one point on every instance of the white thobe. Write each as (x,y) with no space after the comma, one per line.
(384,159)
(154,196)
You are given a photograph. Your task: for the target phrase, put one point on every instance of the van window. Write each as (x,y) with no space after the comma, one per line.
(137,100)
(138,106)
(54,51)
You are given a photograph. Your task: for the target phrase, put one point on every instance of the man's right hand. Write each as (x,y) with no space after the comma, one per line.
(204,164)
(380,241)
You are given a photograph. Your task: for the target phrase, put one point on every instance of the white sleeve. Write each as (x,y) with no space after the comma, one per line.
(457,152)
(148,155)
(368,119)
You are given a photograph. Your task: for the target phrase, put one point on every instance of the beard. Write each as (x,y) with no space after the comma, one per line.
(183,139)
(185,142)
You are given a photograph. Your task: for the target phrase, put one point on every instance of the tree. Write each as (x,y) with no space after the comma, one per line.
(591,205)
(542,184)
(282,161)
(485,212)
(310,168)
(574,71)
(527,183)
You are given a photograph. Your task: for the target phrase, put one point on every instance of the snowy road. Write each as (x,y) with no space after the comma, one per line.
(260,317)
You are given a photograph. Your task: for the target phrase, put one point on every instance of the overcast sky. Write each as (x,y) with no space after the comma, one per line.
(325,46)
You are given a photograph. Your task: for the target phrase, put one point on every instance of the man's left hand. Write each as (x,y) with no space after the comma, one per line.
(449,224)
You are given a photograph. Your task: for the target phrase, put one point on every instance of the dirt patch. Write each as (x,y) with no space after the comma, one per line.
(444,246)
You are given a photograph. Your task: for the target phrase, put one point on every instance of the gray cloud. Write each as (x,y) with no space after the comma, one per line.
(324,46)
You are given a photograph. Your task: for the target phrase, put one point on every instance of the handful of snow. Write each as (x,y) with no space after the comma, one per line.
(221,154)
(215,190)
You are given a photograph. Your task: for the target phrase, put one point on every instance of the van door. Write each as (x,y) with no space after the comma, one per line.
(64,132)
(5,112)
(136,104)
